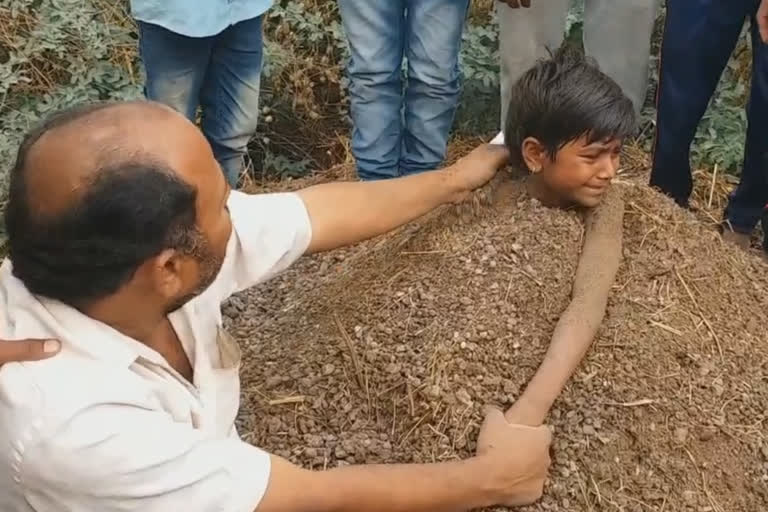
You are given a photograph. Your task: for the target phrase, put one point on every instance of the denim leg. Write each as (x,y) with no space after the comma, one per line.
(751,196)
(433,41)
(699,36)
(375,31)
(175,66)
(230,94)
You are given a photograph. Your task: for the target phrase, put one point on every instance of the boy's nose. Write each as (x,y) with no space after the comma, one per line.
(609,166)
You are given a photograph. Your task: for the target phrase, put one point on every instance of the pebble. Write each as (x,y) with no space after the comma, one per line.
(463,397)
(681,435)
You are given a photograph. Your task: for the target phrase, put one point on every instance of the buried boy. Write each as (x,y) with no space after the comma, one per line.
(565,126)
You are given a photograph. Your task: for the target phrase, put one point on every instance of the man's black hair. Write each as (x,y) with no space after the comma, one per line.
(562,99)
(131,209)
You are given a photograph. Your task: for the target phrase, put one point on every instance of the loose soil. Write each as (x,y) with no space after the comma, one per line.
(387,351)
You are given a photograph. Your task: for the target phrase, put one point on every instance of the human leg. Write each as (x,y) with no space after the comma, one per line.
(617,34)
(230,94)
(699,36)
(525,35)
(432,44)
(375,34)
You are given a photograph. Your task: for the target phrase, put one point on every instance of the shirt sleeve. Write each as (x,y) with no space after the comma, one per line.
(116,458)
(269,233)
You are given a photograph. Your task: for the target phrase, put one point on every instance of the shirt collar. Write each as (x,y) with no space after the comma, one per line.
(30,316)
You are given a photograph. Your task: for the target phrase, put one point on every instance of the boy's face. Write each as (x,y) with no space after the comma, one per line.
(580,173)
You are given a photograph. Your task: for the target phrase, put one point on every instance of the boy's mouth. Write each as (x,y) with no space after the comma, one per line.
(596,189)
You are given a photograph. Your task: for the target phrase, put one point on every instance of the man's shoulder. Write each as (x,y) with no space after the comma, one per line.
(52,392)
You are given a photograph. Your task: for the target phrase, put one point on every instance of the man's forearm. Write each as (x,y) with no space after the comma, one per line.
(449,486)
(343,213)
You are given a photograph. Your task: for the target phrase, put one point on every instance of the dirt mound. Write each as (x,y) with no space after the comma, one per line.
(389,351)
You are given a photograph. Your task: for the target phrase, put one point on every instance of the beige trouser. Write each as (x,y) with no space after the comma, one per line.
(617,34)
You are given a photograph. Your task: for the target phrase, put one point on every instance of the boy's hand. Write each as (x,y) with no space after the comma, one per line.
(27,350)
(514,4)
(516,459)
(475,169)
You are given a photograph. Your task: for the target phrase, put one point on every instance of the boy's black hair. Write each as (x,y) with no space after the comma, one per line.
(132,209)
(562,99)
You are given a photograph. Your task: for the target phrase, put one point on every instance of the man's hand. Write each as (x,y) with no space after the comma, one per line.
(509,469)
(514,4)
(523,412)
(517,458)
(27,350)
(475,169)
(343,213)
(762,20)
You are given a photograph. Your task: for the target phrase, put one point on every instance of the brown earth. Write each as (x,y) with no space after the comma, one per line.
(386,352)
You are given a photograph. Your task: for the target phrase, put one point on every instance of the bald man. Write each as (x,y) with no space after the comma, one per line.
(124,240)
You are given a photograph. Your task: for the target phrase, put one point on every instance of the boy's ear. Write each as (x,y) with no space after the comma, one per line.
(534,154)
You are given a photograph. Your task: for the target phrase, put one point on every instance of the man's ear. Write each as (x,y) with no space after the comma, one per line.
(534,154)
(166,272)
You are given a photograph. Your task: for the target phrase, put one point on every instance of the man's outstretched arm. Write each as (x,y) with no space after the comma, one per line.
(144,460)
(578,325)
(509,469)
(343,213)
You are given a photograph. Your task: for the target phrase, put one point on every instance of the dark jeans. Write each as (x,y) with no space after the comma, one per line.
(699,37)
(220,73)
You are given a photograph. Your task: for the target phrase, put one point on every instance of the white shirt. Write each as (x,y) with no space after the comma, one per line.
(108,425)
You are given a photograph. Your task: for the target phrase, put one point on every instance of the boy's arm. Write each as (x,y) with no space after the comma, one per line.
(577,327)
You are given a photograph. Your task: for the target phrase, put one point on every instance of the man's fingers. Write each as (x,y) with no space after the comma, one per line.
(762,20)
(27,350)
(525,3)
(493,413)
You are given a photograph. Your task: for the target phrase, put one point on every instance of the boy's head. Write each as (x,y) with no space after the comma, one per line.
(566,122)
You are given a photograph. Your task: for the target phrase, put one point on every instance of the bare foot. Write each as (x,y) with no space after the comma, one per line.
(740,240)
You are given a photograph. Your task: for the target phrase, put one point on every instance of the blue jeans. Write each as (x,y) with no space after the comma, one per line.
(221,74)
(394,132)
(699,37)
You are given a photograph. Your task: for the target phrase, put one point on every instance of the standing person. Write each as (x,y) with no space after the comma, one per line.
(208,55)
(617,34)
(699,37)
(402,129)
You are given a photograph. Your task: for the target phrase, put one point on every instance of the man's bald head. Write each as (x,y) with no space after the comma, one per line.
(67,151)
(98,189)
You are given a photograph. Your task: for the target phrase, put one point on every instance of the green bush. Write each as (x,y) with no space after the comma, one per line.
(55,53)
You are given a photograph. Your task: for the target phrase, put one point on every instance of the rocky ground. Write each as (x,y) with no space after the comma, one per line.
(387,352)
